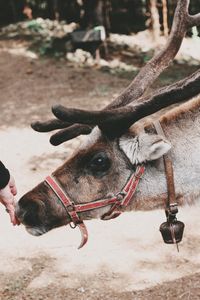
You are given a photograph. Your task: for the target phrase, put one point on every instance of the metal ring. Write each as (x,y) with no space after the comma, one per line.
(120,196)
(72,226)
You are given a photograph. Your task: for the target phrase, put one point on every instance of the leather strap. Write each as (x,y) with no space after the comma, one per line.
(123,198)
(171,204)
(65,200)
(70,208)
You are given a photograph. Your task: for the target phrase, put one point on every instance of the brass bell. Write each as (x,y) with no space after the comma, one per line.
(172,232)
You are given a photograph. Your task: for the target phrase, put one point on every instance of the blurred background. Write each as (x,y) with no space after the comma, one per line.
(121,16)
(83,53)
(60,26)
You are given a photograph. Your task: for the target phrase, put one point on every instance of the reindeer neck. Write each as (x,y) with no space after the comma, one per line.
(182,129)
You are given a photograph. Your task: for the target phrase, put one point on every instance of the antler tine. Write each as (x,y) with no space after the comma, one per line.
(194,20)
(49,125)
(82,116)
(114,122)
(68,130)
(69,133)
(181,23)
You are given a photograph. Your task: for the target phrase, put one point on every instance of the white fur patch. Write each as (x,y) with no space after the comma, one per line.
(90,139)
(36,231)
(158,149)
(144,147)
(129,145)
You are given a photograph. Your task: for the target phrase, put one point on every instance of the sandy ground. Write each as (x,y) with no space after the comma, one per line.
(124,258)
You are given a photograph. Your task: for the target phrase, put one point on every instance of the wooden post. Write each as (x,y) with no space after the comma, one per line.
(165,19)
(155,20)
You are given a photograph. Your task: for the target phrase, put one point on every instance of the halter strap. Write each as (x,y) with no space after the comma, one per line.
(118,202)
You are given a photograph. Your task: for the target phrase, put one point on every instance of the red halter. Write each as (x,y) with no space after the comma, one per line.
(119,201)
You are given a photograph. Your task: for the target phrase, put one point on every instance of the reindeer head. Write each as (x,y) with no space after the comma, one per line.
(98,170)
(111,152)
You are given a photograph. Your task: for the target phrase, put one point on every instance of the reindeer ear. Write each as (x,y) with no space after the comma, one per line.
(144,147)
(158,149)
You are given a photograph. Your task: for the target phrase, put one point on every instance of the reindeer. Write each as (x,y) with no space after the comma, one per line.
(100,179)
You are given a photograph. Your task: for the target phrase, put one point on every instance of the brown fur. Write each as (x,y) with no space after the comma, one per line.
(168,115)
(185,110)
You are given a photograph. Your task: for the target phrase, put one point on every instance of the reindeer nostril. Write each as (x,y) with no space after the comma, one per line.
(26,212)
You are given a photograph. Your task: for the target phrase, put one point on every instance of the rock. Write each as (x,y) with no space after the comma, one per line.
(83,58)
(81,290)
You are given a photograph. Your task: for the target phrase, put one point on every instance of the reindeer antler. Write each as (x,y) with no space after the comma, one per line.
(113,114)
(181,23)
(114,122)
(69,132)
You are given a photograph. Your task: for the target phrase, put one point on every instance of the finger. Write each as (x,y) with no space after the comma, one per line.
(11,211)
(69,133)
(49,125)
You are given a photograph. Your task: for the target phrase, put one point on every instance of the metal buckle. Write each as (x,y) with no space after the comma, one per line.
(120,196)
(138,175)
(70,207)
(173,208)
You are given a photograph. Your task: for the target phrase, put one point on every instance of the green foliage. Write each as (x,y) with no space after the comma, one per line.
(34,26)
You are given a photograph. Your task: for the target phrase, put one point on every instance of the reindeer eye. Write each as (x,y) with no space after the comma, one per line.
(99,164)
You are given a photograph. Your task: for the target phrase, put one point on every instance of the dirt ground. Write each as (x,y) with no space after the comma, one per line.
(124,258)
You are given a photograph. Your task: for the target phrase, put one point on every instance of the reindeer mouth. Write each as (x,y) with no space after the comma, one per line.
(36,231)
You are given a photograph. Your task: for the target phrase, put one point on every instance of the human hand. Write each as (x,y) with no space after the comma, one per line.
(7,199)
